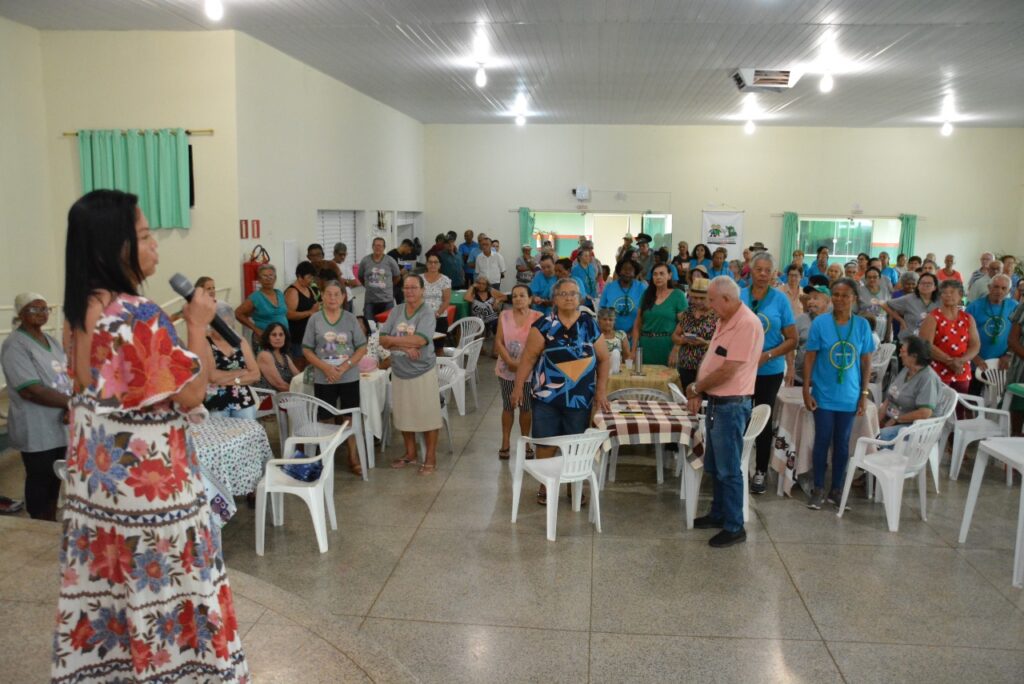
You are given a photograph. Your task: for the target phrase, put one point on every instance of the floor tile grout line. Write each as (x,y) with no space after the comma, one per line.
(991,581)
(796,588)
(419,526)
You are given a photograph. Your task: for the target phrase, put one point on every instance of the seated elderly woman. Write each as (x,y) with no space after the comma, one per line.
(485,303)
(914,393)
(275,363)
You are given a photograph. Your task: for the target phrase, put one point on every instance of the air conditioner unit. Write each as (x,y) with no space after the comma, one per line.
(750,80)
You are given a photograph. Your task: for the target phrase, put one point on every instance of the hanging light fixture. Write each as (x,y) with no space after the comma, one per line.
(520,120)
(481,77)
(214,9)
(826,83)
(947,129)
(749,127)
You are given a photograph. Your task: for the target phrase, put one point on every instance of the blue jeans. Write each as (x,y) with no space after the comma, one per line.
(889,433)
(249,413)
(725,425)
(832,428)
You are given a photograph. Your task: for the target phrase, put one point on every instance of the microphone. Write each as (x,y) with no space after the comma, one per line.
(183,286)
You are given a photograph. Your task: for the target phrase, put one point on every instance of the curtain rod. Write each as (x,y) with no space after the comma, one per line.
(192,131)
(824,214)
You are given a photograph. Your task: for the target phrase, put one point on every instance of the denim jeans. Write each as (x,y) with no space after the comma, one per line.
(725,425)
(889,433)
(832,428)
(248,413)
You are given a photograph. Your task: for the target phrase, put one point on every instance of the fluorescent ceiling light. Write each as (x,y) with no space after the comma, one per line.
(826,84)
(481,47)
(749,128)
(481,77)
(947,129)
(520,104)
(214,9)
(520,120)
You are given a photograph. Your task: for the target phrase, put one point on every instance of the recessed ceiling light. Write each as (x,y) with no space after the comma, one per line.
(749,128)
(826,83)
(519,105)
(481,77)
(214,9)
(520,120)
(481,47)
(947,129)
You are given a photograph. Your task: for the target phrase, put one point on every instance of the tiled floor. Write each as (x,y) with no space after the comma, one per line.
(431,569)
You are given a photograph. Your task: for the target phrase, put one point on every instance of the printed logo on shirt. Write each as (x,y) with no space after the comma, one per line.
(377,277)
(335,349)
(994,326)
(624,306)
(765,323)
(403,329)
(842,355)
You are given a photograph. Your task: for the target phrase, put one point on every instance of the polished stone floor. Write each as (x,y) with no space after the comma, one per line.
(431,570)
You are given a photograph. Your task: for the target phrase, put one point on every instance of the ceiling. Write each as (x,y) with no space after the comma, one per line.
(625,61)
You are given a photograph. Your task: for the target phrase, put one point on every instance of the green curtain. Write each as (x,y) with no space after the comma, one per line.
(151,164)
(790,233)
(908,231)
(525,226)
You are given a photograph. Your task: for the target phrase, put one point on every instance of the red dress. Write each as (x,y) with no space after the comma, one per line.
(951,337)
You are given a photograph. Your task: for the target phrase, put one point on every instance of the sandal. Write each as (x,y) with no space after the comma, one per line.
(529,452)
(402,462)
(503,454)
(427,469)
(542,496)
(356,468)
(583,495)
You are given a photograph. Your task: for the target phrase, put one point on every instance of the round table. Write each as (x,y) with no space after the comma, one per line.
(232,453)
(458,300)
(794,435)
(654,377)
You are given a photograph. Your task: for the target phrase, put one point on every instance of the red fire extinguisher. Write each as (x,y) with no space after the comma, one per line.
(250,270)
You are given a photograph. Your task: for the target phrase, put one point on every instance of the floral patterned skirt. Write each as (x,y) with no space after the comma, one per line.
(144,595)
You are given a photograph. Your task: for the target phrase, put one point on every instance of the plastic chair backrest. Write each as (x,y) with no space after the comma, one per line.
(471,328)
(994,379)
(301,410)
(677,393)
(758,420)
(881,357)
(916,442)
(578,452)
(447,375)
(638,394)
(946,403)
(473,355)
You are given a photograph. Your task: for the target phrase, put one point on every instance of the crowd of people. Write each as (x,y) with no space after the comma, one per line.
(735,331)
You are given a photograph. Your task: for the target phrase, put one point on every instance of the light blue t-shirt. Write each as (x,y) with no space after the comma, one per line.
(892,274)
(724,271)
(993,321)
(706,263)
(541,286)
(587,277)
(775,313)
(626,302)
(839,349)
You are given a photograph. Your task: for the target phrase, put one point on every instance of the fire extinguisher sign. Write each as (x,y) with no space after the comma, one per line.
(243,228)
(255,229)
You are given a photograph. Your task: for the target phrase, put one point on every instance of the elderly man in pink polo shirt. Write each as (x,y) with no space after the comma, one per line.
(726,379)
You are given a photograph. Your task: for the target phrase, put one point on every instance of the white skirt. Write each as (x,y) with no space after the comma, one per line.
(416,402)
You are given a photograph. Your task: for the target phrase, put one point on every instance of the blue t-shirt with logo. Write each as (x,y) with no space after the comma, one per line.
(993,321)
(541,286)
(706,263)
(715,272)
(892,274)
(835,378)
(587,277)
(626,302)
(468,252)
(775,313)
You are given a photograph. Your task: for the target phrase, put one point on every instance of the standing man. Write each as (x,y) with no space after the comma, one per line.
(888,272)
(1010,269)
(315,256)
(979,285)
(626,250)
(992,316)
(451,263)
(466,251)
(489,263)
(543,281)
(947,272)
(380,274)
(644,257)
(726,379)
(348,278)
(440,244)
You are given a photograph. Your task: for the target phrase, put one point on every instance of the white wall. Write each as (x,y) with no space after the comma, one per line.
(311,142)
(134,79)
(967,188)
(27,235)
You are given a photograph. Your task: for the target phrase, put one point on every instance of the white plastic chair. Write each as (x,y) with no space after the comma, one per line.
(946,410)
(994,380)
(880,359)
(987,422)
(297,421)
(318,495)
(635,394)
(465,330)
(464,364)
(574,465)
(260,394)
(908,458)
(677,394)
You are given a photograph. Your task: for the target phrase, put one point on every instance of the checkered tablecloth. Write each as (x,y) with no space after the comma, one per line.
(647,422)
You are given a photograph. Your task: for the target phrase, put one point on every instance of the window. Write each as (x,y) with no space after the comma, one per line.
(333,226)
(848,237)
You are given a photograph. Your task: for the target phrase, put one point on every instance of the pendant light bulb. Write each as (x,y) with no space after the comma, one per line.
(214,9)
(749,128)
(947,129)
(520,120)
(481,77)
(826,83)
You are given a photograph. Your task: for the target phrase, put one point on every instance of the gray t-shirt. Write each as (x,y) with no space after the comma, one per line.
(378,278)
(802,323)
(918,392)
(26,362)
(420,323)
(334,343)
(913,311)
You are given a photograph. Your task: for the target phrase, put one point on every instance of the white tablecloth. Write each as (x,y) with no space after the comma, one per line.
(794,435)
(233,451)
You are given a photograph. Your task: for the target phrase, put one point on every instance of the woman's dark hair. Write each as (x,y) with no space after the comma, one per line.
(419,278)
(869,269)
(700,245)
(661,255)
(920,349)
(794,267)
(304,269)
(935,280)
(265,340)
(201,282)
(606,271)
(521,286)
(848,282)
(623,264)
(650,294)
(821,249)
(102,250)
(867,257)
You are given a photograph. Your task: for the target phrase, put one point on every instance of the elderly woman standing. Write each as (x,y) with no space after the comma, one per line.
(569,370)
(437,292)
(660,307)
(838,367)
(264,306)
(303,301)
(954,337)
(37,373)
(914,392)
(408,334)
(333,344)
(510,341)
(775,312)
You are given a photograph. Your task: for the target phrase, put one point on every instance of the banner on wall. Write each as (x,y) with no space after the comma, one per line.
(723,229)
